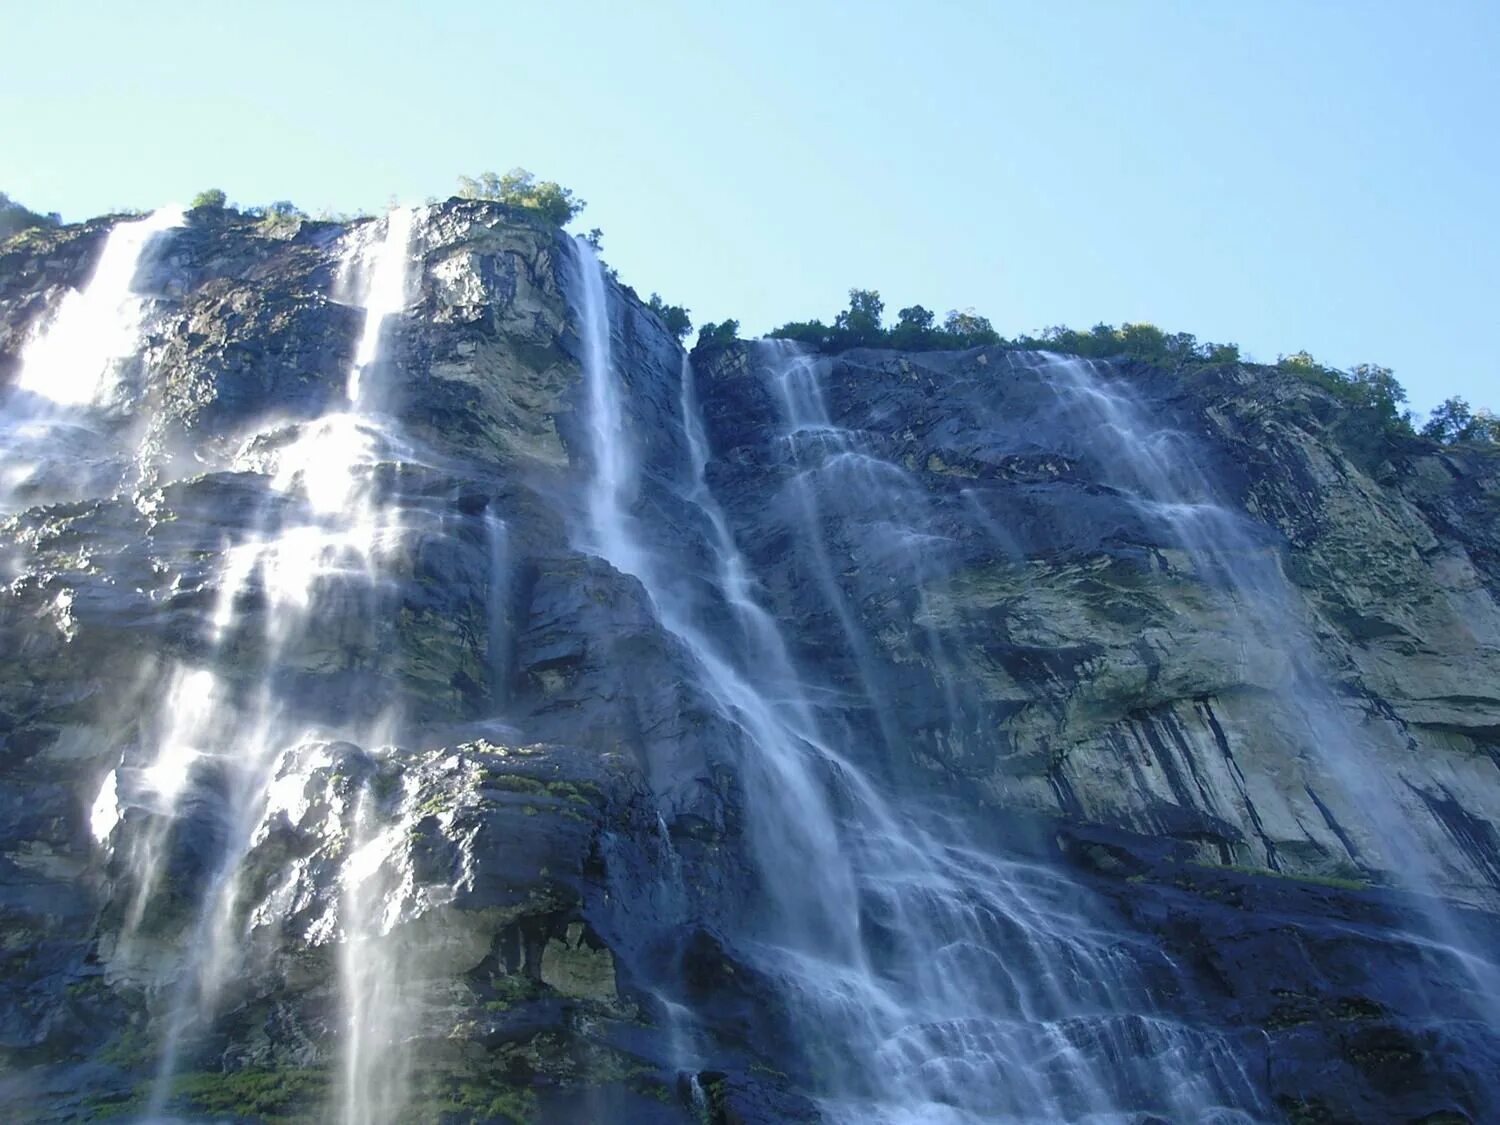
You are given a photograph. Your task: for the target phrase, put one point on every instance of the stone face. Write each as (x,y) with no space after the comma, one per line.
(543,802)
(1097,675)
(577,967)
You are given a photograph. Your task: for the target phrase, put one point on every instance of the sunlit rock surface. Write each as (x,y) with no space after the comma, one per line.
(383,794)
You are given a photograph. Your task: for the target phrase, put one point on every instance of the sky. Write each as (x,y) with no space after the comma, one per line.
(1284,174)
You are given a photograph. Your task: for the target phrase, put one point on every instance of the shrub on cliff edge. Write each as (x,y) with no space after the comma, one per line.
(520,188)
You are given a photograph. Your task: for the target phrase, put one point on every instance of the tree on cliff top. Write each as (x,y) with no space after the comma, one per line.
(520,188)
(675,317)
(712,335)
(859,325)
(966,329)
(916,328)
(1453,420)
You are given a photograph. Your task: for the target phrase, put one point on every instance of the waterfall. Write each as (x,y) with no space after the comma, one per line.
(429,696)
(611,481)
(52,439)
(76,358)
(929,981)
(860,485)
(1155,467)
(374,1079)
(235,742)
(384,297)
(498,626)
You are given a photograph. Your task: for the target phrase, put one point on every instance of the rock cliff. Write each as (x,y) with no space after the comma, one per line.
(540,726)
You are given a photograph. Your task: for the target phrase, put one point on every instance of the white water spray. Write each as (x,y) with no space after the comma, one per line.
(1359,767)
(385,297)
(983,993)
(498,625)
(55,441)
(76,358)
(321,540)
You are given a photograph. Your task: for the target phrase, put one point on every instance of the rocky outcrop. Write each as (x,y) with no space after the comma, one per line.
(1096,675)
(544,806)
(1055,650)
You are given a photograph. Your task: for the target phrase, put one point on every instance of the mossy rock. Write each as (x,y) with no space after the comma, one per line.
(447,1098)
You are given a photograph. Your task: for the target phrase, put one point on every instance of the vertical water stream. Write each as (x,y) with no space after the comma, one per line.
(1357,765)
(52,441)
(928,981)
(186,809)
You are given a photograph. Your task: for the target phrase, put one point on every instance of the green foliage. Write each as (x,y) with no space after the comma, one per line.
(914,330)
(1302,363)
(675,317)
(210,200)
(511,989)
(1138,341)
(519,188)
(265,1095)
(129,1047)
(1453,421)
(721,335)
(813,333)
(1375,388)
(1448,420)
(1373,396)
(966,330)
(859,326)
(1370,391)
(279,219)
(14,218)
(448,1096)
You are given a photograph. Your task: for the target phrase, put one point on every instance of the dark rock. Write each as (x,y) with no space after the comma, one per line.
(491,772)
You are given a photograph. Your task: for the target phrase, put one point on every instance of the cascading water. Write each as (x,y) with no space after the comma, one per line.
(928,981)
(384,297)
(901,736)
(1376,810)
(236,738)
(499,627)
(74,364)
(374,1078)
(75,360)
(875,494)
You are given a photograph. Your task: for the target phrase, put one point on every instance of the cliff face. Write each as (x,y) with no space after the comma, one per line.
(1093,669)
(533,725)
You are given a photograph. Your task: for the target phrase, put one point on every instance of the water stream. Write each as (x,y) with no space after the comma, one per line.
(235,735)
(929,981)
(1354,760)
(54,443)
(928,978)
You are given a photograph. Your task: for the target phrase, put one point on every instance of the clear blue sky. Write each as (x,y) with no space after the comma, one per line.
(1281,173)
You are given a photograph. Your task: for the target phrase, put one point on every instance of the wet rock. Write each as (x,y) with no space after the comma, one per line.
(497,781)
